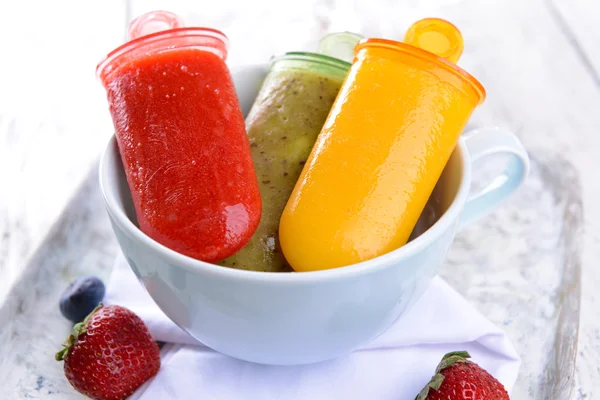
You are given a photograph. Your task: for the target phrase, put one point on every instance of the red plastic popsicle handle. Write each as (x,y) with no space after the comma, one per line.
(154,21)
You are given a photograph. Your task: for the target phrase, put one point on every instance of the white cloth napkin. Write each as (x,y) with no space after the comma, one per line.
(395,366)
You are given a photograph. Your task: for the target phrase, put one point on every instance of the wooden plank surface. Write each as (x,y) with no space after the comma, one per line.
(539,61)
(80,243)
(578,20)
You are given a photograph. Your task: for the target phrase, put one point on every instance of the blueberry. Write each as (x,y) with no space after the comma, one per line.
(81,297)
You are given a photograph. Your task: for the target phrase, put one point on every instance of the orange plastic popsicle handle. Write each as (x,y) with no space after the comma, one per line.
(436,36)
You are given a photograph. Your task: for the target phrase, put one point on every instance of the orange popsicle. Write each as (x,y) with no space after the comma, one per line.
(391,130)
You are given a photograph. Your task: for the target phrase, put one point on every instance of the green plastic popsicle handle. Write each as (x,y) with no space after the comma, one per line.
(339,45)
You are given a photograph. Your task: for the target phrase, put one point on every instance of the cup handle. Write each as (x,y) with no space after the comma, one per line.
(485,142)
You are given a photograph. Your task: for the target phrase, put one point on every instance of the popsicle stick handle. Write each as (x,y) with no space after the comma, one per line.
(339,45)
(436,36)
(154,21)
(481,144)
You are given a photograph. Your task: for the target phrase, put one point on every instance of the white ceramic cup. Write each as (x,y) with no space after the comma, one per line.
(300,318)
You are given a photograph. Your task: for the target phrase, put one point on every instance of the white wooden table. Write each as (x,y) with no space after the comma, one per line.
(538,59)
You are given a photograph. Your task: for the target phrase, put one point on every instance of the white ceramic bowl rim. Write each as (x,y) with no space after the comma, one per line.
(392,258)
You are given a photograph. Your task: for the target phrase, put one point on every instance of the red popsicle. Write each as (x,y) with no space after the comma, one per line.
(182,141)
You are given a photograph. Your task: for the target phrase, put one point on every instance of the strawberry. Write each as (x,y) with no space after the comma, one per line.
(110,354)
(457,378)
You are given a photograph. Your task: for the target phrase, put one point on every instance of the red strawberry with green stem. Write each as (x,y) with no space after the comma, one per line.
(457,378)
(110,354)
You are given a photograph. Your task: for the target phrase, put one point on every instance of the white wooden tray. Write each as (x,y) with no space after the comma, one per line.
(519,266)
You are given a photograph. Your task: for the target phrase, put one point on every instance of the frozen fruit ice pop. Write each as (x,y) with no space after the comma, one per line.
(183,143)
